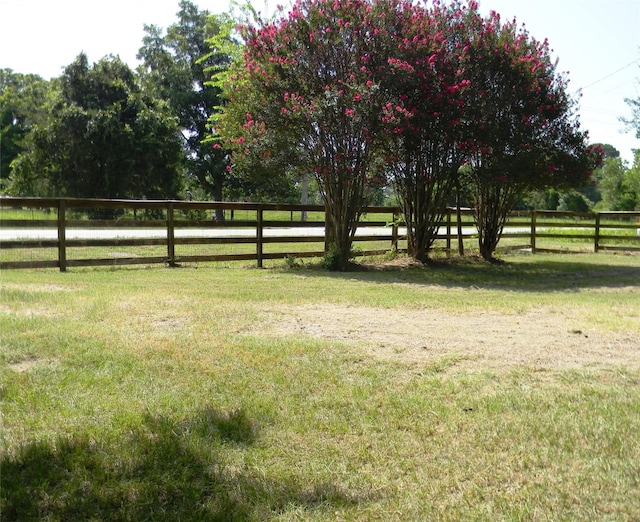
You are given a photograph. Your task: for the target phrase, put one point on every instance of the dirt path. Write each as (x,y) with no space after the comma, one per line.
(536,339)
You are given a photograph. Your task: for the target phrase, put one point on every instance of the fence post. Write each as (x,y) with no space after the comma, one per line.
(534,217)
(328,231)
(448,231)
(171,238)
(259,235)
(394,230)
(62,235)
(596,235)
(459,230)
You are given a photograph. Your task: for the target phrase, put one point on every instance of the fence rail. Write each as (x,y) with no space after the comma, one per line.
(67,232)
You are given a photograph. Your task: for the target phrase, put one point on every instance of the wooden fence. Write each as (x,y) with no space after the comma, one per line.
(67,232)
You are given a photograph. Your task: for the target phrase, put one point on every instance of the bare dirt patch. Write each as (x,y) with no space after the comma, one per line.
(28,365)
(45,288)
(539,338)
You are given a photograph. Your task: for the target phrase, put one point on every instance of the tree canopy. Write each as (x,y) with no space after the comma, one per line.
(524,133)
(307,97)
(619,185)
(358,92)
(102,136)
(174,69)
(22,100)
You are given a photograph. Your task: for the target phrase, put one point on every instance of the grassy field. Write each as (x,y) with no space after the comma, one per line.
(232,393)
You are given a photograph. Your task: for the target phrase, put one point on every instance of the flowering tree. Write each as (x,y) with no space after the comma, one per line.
(525,134)
(357,90)
(307,96)
(424,119)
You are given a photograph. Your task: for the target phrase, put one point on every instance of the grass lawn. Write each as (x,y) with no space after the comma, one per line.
(457,391)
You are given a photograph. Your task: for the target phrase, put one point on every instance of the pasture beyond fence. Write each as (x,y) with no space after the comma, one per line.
(66,232)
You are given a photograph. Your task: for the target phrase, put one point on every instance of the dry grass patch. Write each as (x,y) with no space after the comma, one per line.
(38,311)
(45,287)
(541,338)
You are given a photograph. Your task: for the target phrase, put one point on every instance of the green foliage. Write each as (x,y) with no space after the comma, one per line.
(574,201)
(632,178)
(101,137)
(392,254)
(332,259)
(176,68)
(548,199)
(619,186)
(291,261)
(22,100)
(633,122)
(608,150)
(613,177)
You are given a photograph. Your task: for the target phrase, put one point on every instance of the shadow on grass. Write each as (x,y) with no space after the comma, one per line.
(538,275)
(161,470)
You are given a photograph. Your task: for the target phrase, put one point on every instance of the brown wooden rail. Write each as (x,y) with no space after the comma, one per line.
(55,227)
(53,220)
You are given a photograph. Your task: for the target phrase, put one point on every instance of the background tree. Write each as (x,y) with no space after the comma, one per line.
(582,199)
(177,67)
(591,191)
(608,150)
(632,178)
(306,98)
(22,100)
(261,182)
(524,134)
(633,122)
(102,137)
(618,185)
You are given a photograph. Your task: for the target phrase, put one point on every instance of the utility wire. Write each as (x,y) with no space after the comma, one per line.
(637,60)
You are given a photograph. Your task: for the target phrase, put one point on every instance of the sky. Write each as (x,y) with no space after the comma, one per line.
(596,41)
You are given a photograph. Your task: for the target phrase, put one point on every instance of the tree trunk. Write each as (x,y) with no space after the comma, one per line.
(459,220)
(423,187)
(339,238)
(305,195)
(493,203)
(217,196)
